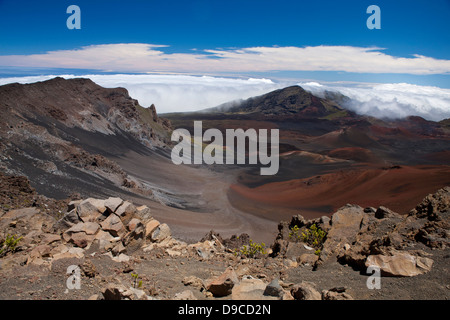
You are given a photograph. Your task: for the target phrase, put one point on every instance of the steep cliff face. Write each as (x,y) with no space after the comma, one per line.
(61,130)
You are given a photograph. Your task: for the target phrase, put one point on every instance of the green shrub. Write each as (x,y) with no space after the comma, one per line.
(10,244)
(294,233)
(136,284)
(314,236)
(252,249)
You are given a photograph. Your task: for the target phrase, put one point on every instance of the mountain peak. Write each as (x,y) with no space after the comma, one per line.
(293,101)
(83,104)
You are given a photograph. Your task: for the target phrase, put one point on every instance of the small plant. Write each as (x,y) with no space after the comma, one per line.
(294,233)
(252,249)
(10,244)
(314,236)
(136,284)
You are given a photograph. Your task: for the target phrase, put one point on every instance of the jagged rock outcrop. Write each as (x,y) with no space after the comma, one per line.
(432,217)
(112,225)
(376,237)
(109,226)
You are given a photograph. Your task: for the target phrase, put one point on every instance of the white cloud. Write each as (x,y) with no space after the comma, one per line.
(140,57)
(395,100)
(175,93)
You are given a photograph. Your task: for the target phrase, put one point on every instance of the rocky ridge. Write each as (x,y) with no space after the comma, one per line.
(62,134)
(122,252)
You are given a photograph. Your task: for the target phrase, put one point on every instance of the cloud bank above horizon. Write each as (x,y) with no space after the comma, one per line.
(391,100)
(142,57)
(179,93)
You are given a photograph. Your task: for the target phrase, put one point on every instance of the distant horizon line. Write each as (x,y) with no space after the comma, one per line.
(85,73)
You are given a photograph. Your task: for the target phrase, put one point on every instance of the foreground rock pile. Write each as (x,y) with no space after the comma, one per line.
(124,253)
(363,237)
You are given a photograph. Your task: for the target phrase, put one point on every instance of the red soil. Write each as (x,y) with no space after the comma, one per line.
(311,156)
(355,153)
(399,189)
(385,131)
(442,157)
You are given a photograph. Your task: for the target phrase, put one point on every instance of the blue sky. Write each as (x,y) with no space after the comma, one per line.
(285,41)
(408,27)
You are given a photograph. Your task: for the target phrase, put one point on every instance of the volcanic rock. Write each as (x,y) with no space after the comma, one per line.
(400,264)
(305,291)
(249,289)
(223,285)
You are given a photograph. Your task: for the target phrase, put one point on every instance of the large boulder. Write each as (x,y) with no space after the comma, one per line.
(150,227)
(434,206)
(431,220)
(222,285)
(91,209)
(126,211)
(249,289)
(384,237)
(383,212)
(305,291)
(143,213)
(336,294)
(68,220)
(399,263)
(160,233)
(113,203)
(345,225)
(81,234)
(185,295)
(274,289)
(113,224)
(135,238)
(89,228)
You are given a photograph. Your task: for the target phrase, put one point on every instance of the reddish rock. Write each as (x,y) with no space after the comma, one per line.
(223,285)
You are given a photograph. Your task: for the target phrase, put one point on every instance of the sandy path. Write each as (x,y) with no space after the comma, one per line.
(203,191)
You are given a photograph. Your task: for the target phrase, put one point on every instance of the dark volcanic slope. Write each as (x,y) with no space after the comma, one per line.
(293,102)
(62,133)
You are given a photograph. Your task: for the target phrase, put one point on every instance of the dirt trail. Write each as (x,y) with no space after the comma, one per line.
(197,197)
